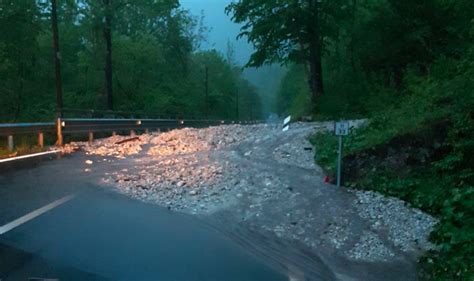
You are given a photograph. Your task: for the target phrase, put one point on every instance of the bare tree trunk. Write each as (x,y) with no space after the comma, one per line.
(108,55)
(57,59)
(315,78)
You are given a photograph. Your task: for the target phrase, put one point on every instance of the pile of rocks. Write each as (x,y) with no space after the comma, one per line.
(114,146)
(175,142)
(370,248)
(191,140)
(182,172)
(67,148)
(182,141)
(189,183)
(110,148)
(406,227)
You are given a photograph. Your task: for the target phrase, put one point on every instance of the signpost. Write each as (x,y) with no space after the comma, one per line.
(341,129)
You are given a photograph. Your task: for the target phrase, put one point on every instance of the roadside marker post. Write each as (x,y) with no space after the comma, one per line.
(341,129)
(286,124)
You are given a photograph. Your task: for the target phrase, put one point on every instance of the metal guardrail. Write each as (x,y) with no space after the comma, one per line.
(90,126)
(8,129)
(81,125)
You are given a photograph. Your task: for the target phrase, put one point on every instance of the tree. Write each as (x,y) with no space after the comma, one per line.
(286,31)
(107,32)
(19,27)
(155,66)
(57,58)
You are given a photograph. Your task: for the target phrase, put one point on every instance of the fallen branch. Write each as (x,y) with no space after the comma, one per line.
(128,140)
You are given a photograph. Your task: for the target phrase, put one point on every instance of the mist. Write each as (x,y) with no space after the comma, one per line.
(221,31)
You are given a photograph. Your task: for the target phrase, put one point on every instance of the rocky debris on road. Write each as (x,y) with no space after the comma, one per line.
(67,148)
(299,152)
(370,248)
(214,170)
(190,140)
(179,173)
(191,184)
(406,227)
(114,146)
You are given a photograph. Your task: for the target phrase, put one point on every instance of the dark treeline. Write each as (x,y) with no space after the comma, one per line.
(156,65)
(353,57)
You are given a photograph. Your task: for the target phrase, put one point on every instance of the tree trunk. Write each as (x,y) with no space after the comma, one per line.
(57,58)
(315,78)
(108,55)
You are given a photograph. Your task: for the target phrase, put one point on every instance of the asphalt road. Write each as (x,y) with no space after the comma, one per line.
(99,235)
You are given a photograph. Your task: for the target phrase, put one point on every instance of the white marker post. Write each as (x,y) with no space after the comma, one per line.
(341,129)
(286,123)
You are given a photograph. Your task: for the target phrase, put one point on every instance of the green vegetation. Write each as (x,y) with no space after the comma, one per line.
(156,65)
(407,66)
(421,150)
(429,118)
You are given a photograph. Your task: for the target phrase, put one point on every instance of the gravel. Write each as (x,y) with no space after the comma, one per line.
(370,248)
(260,178)
(407,227)
(191,140)
(185,184)
(302,156)
(109,147)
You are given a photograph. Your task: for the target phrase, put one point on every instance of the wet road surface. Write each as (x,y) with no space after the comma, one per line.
(100,235)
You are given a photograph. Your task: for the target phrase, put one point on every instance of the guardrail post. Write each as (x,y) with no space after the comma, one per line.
(132,133)
(11,144)
(114,133)
(91,137)
(41,139)
(147,131)
(59,132)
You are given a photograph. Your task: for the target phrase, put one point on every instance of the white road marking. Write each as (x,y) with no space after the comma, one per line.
(28,156)
(11,225)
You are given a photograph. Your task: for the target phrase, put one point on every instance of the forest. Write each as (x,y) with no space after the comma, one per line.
(156,64)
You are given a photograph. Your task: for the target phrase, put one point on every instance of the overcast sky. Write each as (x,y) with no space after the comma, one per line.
(222,28)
